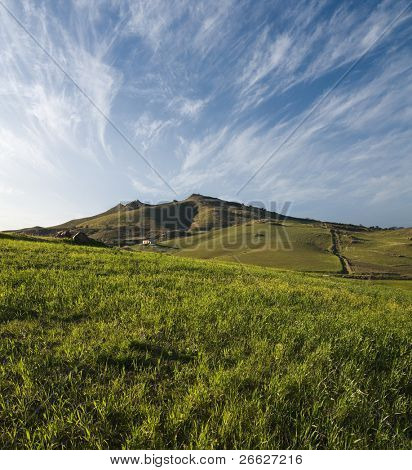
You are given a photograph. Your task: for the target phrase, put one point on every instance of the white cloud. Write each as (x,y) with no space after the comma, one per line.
(190,108)
(144,189)
(266,57)
(51,115)
(348,147)
(49,132)
(148,129)
(153,20)
(203,150)
(206,90)
(310,46)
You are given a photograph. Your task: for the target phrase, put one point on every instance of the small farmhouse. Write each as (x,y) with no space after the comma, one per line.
(146,242)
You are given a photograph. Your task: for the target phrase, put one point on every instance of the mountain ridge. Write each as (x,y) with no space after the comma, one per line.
(131,222)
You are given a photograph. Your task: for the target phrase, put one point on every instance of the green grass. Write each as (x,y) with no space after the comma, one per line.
(398,284)
(297,247)
(103,348)
(383,251)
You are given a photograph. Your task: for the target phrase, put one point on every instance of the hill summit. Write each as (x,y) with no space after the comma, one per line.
(135,221)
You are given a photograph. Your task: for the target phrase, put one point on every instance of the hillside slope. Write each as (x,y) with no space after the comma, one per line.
(102,348)
(300,247)
(130,223)
(376,254)
(384,252)
(207,227)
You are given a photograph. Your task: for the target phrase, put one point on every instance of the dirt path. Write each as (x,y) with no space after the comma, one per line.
(337,251)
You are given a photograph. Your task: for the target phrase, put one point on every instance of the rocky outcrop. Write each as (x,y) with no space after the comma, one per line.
(82,238)
(64,234)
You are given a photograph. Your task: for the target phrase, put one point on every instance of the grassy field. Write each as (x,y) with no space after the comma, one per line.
(292,246)
(104,348)
(398,284)
(383,251)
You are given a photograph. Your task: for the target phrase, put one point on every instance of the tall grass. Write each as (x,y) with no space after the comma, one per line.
(109,349)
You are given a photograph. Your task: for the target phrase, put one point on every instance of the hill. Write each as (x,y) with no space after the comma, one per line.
(207,227)
(311,247)
(104,348)
(132,222)
(296,246)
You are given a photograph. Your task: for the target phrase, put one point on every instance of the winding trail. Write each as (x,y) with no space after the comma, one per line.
(337,251)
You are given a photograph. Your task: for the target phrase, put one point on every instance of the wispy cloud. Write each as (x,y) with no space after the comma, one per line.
(46,124)
(349,143)
(310,45)
(189,107)
(48,111)
(147,129)
(207,90)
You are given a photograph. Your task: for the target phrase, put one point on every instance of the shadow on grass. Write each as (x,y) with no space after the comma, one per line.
(161,352)
(13,313)
(146,355)
(74,318)
(49,239)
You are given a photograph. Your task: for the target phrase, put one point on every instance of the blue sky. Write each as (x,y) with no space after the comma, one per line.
(206,91)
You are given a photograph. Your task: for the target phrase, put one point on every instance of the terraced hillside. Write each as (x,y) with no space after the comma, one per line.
(103,348)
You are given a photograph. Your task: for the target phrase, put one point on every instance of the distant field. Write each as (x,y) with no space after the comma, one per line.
(385,251)
(405,285)
(104,348)
(297,247)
